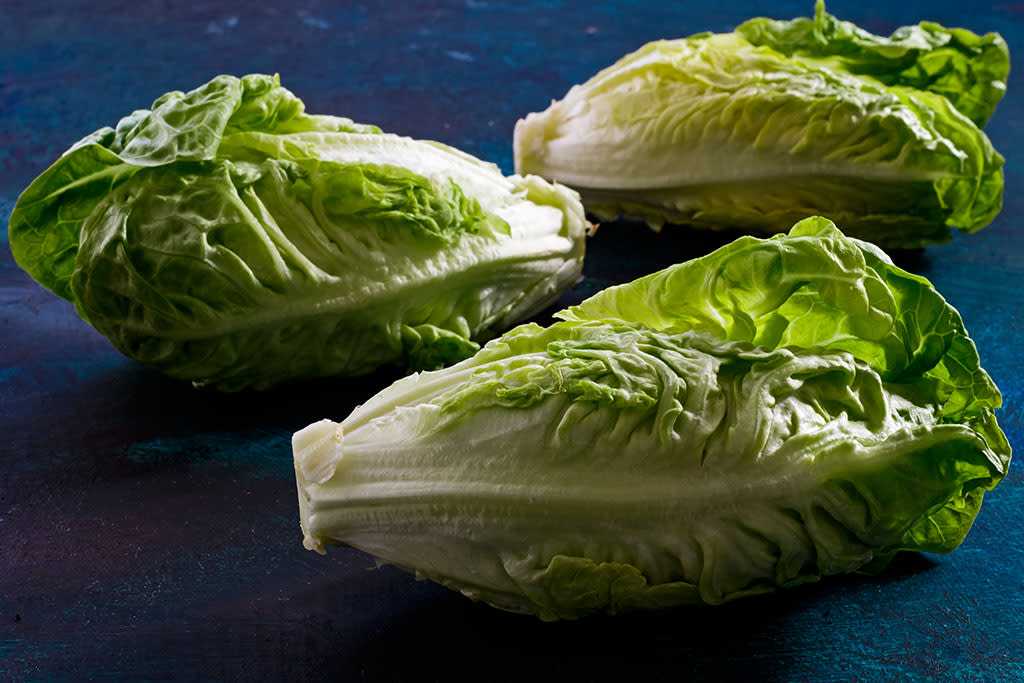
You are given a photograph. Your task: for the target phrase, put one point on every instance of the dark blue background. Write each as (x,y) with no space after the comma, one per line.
(150,531)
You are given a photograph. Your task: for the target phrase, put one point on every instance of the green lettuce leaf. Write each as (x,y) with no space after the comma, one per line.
(228,238)
(762,127)
(814,288)
(778,411)
(967,69)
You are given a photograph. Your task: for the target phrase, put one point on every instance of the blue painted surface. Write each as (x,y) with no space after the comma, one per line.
(149,531)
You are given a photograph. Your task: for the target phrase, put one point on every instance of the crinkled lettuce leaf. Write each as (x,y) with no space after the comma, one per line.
(229,238)
(967,69)
(814,288)
(760,128)
(778,411)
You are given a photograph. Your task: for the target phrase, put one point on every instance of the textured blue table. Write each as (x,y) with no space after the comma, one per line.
(149,531)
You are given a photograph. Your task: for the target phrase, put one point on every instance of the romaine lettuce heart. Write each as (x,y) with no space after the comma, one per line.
(775,412)
(228,238)
(762,127)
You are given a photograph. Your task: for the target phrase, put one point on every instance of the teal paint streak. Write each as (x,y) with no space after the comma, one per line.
(254,454)
(6,207)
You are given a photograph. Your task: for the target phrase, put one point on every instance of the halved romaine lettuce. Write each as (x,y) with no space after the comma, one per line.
(777,411)
(229,238)
(777,121)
